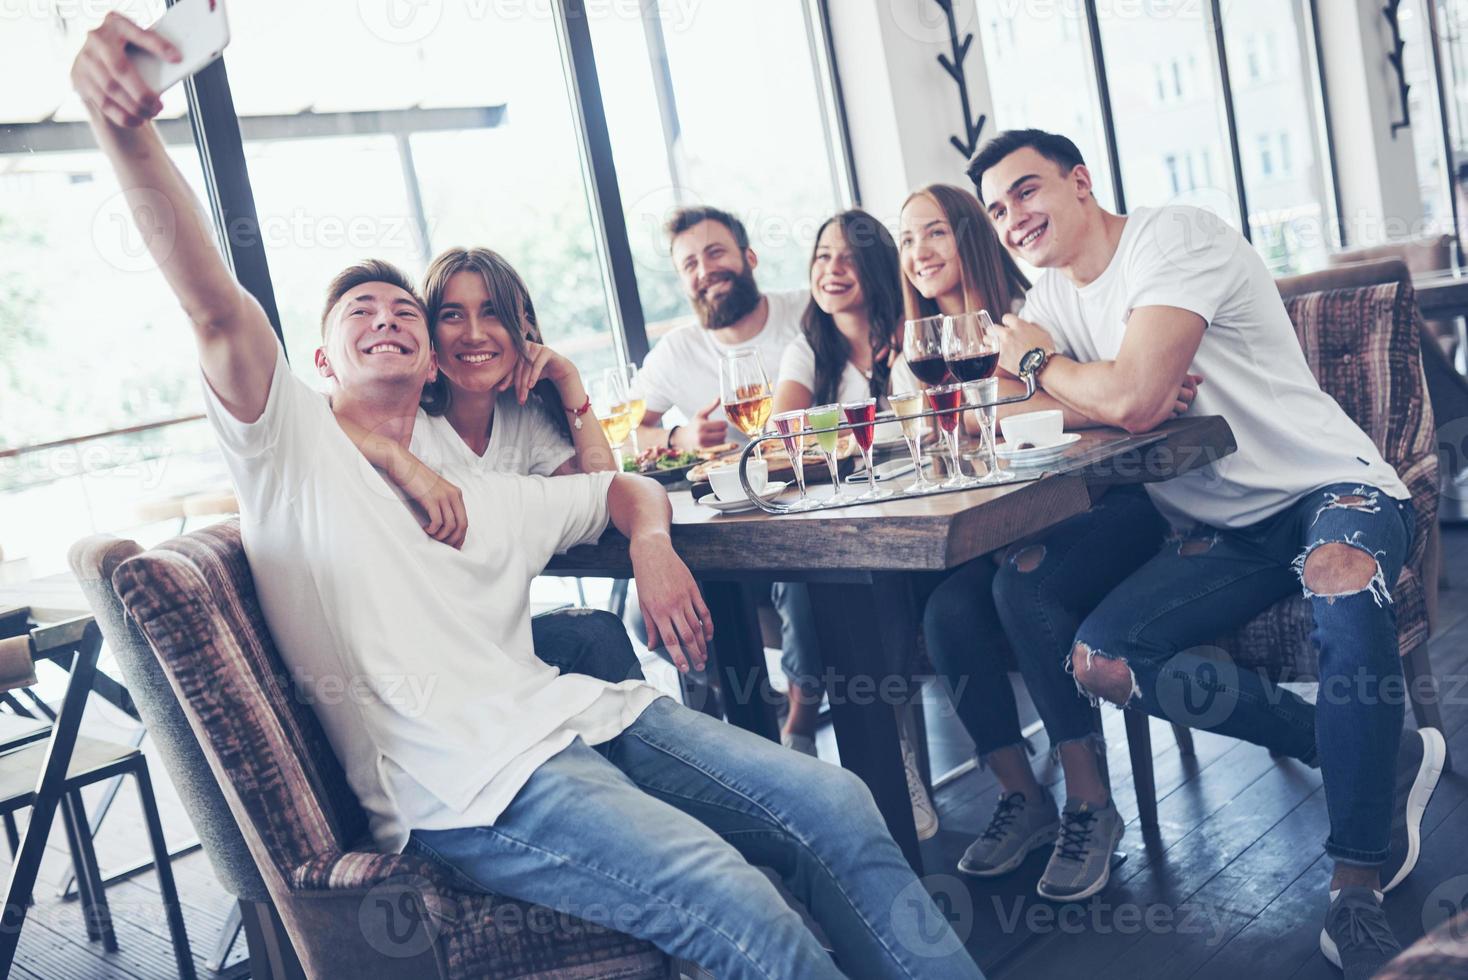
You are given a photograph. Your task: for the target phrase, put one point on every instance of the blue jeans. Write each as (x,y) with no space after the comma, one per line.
(585,641)
(1160,617)
(656,833)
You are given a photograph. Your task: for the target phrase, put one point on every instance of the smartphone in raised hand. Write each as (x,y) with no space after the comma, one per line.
(200,31)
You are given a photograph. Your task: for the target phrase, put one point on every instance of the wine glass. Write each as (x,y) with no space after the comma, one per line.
(971,350)
(862,417)
(609,401)
(922,345)
(791,426)
(947,400)
(636,402)
(905,404)
(745,391)
(827,417)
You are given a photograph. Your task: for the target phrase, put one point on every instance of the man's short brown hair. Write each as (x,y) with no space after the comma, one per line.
(368,270)
(685,218)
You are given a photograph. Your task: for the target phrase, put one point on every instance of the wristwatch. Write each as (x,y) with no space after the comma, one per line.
(1033,361)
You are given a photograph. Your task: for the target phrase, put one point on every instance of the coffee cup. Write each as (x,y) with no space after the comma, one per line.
(1035,428)
(725,480)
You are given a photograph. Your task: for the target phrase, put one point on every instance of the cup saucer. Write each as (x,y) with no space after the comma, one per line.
(1036,454)
(772,489)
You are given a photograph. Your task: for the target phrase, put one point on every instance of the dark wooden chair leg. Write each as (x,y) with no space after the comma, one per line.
(1425,694)
(84,881)
(1139,744)
(89,875)
(12,833)
(1184,736)
(163,865)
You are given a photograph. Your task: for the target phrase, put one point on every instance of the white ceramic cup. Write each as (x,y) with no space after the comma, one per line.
(1035,428)
(725,480)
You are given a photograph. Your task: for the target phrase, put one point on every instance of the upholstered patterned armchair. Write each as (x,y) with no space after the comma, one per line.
(1359,326)
(350,912)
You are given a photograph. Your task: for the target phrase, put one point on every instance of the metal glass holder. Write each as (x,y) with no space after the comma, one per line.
(770,507)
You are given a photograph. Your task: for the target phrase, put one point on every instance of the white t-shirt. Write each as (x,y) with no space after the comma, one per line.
(417,658)
(682,371)
(1292,437)
(522,439)
(798,364)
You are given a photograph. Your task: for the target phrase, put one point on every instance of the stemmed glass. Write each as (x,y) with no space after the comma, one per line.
(947,400)
(862,417)
(972,351)
(922,345)
(827,417)
(745,390)
(905,404)
(791,426)
(635,403)
(609,402)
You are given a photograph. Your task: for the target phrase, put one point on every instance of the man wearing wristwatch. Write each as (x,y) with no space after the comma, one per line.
(1129,315)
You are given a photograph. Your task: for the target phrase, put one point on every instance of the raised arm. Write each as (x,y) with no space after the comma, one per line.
(1148,382)
(236,344)
(671,604)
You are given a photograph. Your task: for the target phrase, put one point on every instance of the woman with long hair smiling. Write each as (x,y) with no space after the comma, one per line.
(952,261)
(851,333)
(515,404)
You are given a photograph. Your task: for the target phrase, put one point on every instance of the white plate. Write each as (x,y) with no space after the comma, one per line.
(1039,454)
(772,490)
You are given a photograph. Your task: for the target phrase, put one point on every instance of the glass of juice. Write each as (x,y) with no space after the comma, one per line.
(862,417)
(745,390)
(635,404)
(905,404)
(827,417)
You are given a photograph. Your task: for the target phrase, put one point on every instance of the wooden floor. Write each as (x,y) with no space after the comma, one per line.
(1233,886)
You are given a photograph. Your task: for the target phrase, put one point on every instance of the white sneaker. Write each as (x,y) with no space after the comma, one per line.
(924,814)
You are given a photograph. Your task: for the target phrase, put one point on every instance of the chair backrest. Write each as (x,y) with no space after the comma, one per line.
(1360,334)
(194,600)
(93,560)
(1421,255)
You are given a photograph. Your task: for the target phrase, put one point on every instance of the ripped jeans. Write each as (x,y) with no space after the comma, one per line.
(1161,617)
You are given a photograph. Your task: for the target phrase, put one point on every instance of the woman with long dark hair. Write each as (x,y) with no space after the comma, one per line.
(851,332)
(952,261)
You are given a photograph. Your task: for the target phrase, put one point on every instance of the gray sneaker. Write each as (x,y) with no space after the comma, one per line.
(1017,828)
(1081,864)
(1357,938)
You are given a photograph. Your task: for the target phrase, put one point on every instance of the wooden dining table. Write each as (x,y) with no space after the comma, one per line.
(862,563)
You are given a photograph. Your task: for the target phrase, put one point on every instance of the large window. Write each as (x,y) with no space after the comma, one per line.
(91,339)
(466,138)
(1062,98)
(1166,99)
(719,104)
(1278,114)
(1167,102)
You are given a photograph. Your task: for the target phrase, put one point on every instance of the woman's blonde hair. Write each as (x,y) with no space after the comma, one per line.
(988,275)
